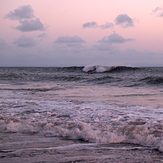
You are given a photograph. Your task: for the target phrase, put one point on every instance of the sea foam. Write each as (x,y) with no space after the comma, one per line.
(90,122)
(96,68)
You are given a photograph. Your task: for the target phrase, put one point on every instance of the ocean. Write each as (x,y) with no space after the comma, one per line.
(91,114)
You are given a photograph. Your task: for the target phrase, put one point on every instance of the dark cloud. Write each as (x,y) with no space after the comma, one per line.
(24,41)
(30,25)
(23,12)
(115,39)
(90,25)
(107,25)
(124,20)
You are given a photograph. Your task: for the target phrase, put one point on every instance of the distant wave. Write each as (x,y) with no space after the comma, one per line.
(71,68)
(100,69)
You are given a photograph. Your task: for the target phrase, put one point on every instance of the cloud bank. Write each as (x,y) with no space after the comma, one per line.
(2,44)
(69,41)
(25,42)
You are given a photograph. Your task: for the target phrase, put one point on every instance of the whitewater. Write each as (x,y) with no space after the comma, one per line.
(81,114)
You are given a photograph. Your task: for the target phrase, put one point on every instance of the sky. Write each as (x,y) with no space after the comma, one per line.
(81,32)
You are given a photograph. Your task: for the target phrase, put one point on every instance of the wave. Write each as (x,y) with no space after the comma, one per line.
(116,75)
(138,131)
(153,80)
(100,69)
(107,124)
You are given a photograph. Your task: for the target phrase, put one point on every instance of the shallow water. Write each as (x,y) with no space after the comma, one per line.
(33,148)
(73,116)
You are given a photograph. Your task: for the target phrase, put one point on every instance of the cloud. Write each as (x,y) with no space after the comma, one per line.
(124,20)
(94,25)
(27,21)
(115,39)
(90,25)
(69,44)
(69,40)
(105,47)
(158,11)
(107,25)
(43,35)
(30,25)
(25,42)
(106,43)
(23,12)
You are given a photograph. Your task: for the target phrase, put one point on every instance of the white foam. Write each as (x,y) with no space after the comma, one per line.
(96,68)
(13,127)
(92,122)
(102,68)
(89,68)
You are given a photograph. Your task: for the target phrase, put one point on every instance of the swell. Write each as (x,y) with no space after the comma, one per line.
(153,80)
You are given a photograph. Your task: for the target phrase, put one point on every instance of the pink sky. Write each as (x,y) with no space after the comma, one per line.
(71,32)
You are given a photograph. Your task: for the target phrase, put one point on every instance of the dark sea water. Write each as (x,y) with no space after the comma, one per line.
(81,114)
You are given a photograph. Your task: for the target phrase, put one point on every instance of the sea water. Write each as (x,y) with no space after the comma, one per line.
(81,114)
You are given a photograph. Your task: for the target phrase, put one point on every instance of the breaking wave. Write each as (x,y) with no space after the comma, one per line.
(116,75)
(100,125)
(100,69)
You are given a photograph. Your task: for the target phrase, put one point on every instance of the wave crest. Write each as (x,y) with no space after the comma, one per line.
(100,69)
